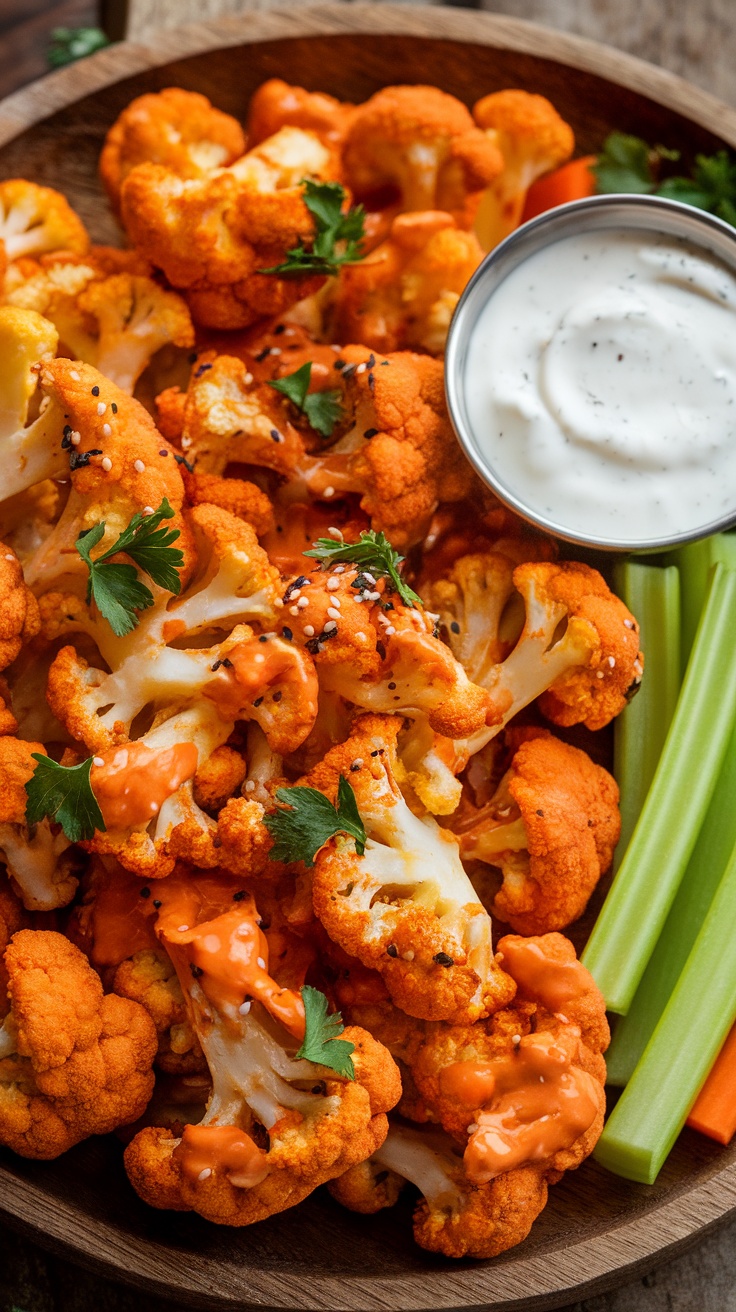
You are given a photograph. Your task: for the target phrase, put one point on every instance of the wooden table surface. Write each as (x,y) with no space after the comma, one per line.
(695,38)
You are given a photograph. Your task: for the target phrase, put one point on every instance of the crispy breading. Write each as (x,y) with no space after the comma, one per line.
(275,105)
(35,219)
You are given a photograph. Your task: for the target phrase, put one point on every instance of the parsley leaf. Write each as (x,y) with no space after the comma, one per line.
(373,552)
(323,409)
(321,1044)
(307,821)
(71,43)
(64,793)
(628,164)
(333,229)
(116,588)
(712,186)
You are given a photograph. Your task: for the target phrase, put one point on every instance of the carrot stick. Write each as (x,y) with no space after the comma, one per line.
(714,1112)
(574,181)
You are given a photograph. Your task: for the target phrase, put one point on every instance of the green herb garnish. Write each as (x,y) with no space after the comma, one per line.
(321,1043)
(68,44)
(117,591)
(338,236)
(372,552)
(628,164)
(323,409)
(64,793)
(307,820)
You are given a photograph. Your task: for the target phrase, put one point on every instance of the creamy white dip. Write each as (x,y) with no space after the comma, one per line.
(600,385)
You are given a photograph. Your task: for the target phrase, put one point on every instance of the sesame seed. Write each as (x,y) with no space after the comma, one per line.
(250,786)
(361,368)
(561,1016)
(516,1038)
(599,674)
(101,407)
(248,380)
(73,374)
(333,614)
(329,491)
(106,463)
(261,963)
(148,510)
(186,442)
(95,391)
(244,1008)
(357,763)
(106,430)
(309,630)
(336,533)
(182,929)
(409,956)
(98,760)
(367,575)
(333,347)
(293,610)
(138,466)
(275,350)
(390,631)
(361,636)
(374,596)
(302,602)
(330,626)
(336,602)
(75,438)
(295,595)
(628,624)
(332,584)
(339,569)
(205,1173)
(114,409)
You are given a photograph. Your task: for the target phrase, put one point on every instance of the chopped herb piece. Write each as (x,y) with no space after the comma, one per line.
(64,793)
(307,820)
(323,409)
(116,588)
(338,236)
(68,44)
(372,552)
(321,1042)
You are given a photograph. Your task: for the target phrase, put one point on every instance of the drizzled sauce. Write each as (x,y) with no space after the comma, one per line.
(135,781)
(225,1149)
(255,668)
(541,976)
(535,1103)
(600,385)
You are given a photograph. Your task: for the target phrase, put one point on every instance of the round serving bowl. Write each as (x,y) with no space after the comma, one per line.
(598,1230)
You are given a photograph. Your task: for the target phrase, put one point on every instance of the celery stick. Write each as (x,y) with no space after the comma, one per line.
(652,593)
(695,561)
(699,883)
(644,889)
(654,1105)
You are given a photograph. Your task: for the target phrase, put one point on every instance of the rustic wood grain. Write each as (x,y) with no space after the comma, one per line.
(598,1230)
(25,32)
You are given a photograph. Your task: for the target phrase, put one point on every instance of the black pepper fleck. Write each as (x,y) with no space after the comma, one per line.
(258,701)
(277,696)
(442,959)
(145,892)
(95,391)
(455,626)
(392,950)
(287,632)
(238,897)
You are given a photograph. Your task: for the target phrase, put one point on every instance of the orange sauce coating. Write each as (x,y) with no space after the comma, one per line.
(540,976)
(225,1149)
(134,781)
(537,1103)
(256,666)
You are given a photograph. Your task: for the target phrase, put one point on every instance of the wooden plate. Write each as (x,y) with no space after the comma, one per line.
(598,1231)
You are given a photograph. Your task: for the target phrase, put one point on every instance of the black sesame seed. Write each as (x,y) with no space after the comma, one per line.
(540,812)
(371,361)
(354,768)
(349,370)
(392,686)
(385,362)
(145,892)
(392,950)
(80,459)
(202,370)
(371,381)
(276,436)
(182,460)
(196,970)
(163,453)
(192,358)
(442,959)
(277,696)
(279,329)
(339,364)
(114,407)
(228,665)
(214,668)
(238,897)
(263,638)
(377,752)
(381,650)
(157,902)
(95,391)
(371,432)
(287,632)
(455,626)
(262,354)
(258,701)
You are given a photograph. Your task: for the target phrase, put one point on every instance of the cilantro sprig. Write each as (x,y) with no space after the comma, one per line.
(321,1043)
(372,552)
(322,409)
(307,820)
(628,164)
(337,239)
(115,587)
(68,44)
(64,793)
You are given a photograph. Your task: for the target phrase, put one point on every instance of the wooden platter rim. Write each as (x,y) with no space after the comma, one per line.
(517,1281)
(124,59)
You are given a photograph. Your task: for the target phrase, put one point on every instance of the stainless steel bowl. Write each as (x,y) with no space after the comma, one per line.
(622,212)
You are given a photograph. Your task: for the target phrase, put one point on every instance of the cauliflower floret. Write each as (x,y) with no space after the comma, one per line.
(35,219)
(371,649)
(424,143)
(532,139)
(214,236)
(218,778)
(31,451)
(235,495)
(406,907)
(275,105)
(179,129)
(75,1062)
(19,615)
(13,917)
(149,978)
(402,296)
(36,859)
(550,828)
(313,1123)
(119,465)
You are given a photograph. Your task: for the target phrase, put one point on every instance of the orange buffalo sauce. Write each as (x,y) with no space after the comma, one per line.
(541,976)
(134,780)
(536,1103)
(227,953)
(297,528)
(118,921)
(254,668)
(224,1150)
